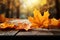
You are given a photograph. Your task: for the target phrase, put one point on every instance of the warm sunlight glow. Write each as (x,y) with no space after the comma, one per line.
(31,4)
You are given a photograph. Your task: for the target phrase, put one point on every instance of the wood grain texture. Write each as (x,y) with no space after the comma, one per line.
(8,32)
(26,33)
(34,33)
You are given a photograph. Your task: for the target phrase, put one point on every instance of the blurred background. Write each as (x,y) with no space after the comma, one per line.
(24,8)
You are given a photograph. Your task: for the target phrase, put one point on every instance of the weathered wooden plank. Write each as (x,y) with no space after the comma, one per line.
(8,32)
(50,30)
(34,33)
(56,33)
(30,32)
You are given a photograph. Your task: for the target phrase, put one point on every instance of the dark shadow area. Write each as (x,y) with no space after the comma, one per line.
(58,10)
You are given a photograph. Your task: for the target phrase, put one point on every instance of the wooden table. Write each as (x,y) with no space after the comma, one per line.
(24,33)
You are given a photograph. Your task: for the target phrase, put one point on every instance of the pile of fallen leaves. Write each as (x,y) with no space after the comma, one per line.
(15,25)
(39,21)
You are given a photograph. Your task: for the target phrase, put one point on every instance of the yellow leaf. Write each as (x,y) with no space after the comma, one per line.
(31,19)
(37,15)
(46,15)
(46,23)
(54,22)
